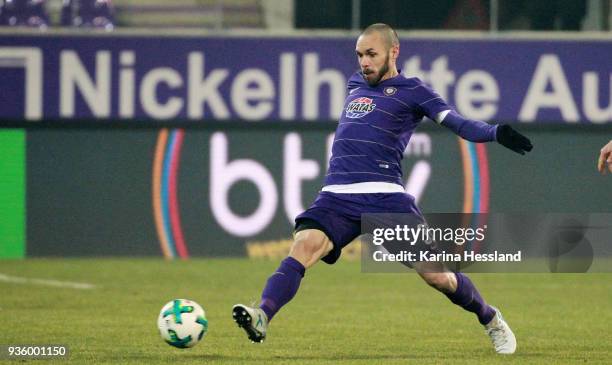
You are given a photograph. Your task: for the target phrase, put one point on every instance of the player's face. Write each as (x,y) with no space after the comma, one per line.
(373,57)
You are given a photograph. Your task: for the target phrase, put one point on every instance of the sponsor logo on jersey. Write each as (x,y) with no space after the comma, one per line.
(359,107)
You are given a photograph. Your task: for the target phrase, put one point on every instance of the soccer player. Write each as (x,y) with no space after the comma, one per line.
(605,158)
(381,111)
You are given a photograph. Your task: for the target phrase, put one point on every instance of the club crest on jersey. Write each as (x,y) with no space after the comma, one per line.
(359,107)
(389,90)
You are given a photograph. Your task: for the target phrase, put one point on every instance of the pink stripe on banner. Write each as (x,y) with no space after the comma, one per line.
(483,164)
(175,217)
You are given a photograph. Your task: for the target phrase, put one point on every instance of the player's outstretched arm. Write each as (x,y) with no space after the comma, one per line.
(471,130)
(605,158)
(475,131)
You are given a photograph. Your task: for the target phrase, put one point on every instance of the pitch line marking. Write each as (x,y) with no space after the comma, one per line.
(47,282)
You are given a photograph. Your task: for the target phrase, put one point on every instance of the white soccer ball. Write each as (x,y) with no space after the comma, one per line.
(182,323)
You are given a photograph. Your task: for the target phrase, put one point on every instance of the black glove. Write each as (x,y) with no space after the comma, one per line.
(509,138)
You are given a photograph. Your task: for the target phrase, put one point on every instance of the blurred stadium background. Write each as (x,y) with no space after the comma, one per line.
(136,132)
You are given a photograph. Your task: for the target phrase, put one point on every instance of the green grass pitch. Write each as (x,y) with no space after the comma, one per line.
(340,315)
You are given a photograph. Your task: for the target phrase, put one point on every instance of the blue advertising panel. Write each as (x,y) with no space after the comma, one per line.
(292,78)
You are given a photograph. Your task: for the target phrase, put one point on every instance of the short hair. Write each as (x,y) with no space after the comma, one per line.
(389,35)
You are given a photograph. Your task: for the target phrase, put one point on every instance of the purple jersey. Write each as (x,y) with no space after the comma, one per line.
(375,127)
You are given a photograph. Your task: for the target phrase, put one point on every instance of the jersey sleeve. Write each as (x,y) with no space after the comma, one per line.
(429,102)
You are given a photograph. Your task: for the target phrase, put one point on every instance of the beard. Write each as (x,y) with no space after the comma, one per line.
(379,75)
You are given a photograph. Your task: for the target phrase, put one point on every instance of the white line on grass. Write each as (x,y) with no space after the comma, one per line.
(47,282)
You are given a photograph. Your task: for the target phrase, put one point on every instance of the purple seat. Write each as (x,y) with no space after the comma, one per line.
(88,13)
(25,13)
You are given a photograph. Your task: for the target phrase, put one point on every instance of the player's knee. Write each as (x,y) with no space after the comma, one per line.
(439,281)
(309,247)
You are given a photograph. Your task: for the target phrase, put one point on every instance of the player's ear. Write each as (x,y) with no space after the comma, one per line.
(394,52)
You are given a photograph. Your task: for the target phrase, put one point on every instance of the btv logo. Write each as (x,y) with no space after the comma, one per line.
(224,173)
(31,60)
(296,170)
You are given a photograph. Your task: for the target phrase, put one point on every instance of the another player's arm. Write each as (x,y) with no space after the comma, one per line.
(605,158)
(476,131)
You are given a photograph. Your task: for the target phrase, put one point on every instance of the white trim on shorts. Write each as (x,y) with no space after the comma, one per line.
(365,188)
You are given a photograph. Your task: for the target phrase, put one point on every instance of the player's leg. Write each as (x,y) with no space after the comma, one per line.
(321,232)
(459,289)
(462,292)
(309,246)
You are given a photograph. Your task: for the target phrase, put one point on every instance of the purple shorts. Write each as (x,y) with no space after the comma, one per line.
(339,215)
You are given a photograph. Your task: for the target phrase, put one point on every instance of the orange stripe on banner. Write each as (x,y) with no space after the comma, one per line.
(468,178)
(158,162)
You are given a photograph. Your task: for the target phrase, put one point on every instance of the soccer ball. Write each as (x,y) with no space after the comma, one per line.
(182,323)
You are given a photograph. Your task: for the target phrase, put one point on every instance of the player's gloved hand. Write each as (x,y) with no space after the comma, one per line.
(509,138)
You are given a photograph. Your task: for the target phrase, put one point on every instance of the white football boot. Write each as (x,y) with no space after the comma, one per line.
(501,335)
(252,320)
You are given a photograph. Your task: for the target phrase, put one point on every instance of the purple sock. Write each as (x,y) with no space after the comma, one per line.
(281,286)
(467,297)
